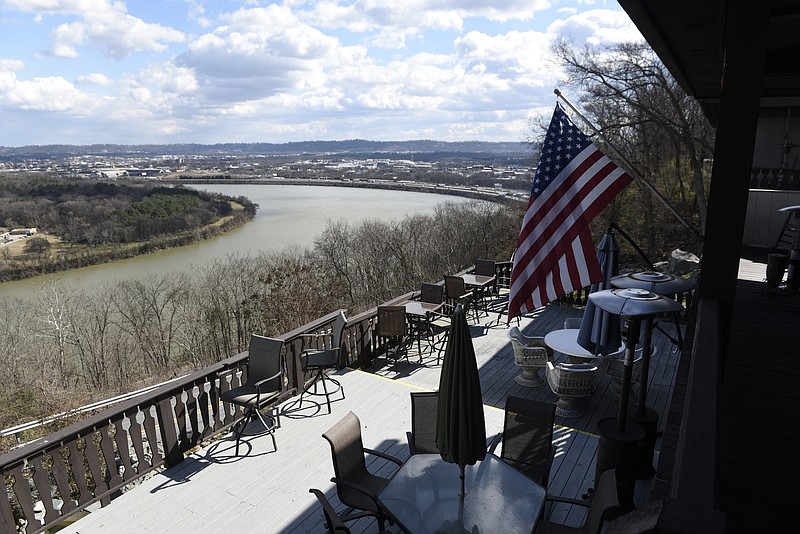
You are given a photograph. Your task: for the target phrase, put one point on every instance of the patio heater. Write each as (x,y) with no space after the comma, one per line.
(620,440)
(665,285)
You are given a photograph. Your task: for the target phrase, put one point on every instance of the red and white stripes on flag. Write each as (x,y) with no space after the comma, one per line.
(572,184)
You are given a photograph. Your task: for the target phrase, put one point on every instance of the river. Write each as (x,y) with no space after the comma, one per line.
(288,215)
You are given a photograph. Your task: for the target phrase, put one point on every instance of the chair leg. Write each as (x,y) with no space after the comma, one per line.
(238,429)
(442,347)
(270,428)
(252,413)
(320,376)
(325,390)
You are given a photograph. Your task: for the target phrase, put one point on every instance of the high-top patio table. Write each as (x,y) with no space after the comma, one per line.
(479,283)
(478,280)
(423,497)
(418,308)
(418,314)
(565,341)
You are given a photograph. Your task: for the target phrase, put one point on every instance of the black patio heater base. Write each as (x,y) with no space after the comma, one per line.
(649,423)
(619,449)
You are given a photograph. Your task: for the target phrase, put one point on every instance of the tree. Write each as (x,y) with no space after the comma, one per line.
(37,245)
(641,109)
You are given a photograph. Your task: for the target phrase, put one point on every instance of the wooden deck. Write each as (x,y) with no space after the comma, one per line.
(213,491)
(759,453)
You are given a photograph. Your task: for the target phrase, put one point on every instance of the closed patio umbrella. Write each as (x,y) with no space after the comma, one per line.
(601,332)
(460,426)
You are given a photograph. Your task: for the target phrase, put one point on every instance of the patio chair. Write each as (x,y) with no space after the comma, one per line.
(570,382)
(318,361)
(356,487)
(422,438)
(486,268)
(614,367)
(530,354)
(501,289)
(603,499)
(572,322)
(437,324)
(528,437)
(392,328)
(456,292)
(263,385)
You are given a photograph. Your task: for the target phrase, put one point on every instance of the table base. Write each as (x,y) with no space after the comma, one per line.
(568,408)
(529,379)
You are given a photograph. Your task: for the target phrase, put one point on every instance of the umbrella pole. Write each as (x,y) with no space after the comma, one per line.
(461,494)
(461,503)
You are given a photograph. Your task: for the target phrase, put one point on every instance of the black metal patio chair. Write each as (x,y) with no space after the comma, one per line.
(603,499)
(356,487)
(422,438)
(528,437)
(263,385)
(320,360)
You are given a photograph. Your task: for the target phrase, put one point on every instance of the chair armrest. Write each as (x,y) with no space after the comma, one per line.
(567,500)
(383,455)
(330,512)
(495,442)
(262,381)
(411,448)
(578,367)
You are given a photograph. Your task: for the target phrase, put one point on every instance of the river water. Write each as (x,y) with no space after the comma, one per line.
(288,215)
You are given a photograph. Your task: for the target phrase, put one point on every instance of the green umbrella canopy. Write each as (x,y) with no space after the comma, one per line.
(460,426)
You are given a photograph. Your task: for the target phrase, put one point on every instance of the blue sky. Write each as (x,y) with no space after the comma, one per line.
(191,71)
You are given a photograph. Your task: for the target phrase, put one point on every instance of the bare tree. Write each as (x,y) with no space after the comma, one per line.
(37,245)
(637,104)
(149,310)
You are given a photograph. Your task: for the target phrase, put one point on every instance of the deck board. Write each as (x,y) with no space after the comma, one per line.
(760,407)
(214,491)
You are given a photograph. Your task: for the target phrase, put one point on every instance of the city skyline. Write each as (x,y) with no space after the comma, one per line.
(183,71)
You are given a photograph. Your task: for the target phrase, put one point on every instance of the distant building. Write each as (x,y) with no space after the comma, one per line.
(22,231)
(151,171)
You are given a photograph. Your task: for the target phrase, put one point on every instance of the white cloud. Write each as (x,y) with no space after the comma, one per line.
(261,52)
(51,93)
(103,23)
(443,69)
(521,55)
(10,65)
(598,27)
(95,78)
(197,13)
(415,16)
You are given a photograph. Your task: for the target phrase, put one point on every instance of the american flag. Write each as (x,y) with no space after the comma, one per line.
(572,184)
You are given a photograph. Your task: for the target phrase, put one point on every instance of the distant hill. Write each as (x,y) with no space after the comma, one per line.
(352,147)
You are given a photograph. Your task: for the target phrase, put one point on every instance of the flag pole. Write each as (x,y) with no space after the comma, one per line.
(633,170)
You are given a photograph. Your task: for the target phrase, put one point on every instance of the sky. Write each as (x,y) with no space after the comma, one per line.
(248,71)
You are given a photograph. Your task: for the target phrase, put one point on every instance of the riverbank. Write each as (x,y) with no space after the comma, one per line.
(19,265)
(474,193)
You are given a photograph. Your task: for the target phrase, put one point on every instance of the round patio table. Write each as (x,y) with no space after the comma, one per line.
(565,341)
(422,497)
